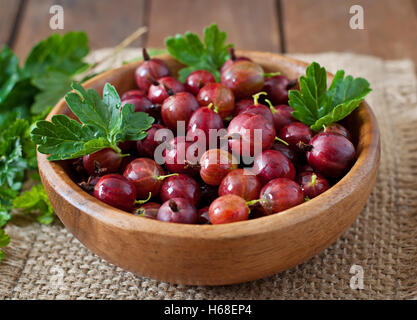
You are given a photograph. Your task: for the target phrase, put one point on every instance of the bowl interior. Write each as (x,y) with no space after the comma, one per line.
(359,124)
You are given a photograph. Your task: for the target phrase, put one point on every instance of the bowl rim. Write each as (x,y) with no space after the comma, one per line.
(63,185)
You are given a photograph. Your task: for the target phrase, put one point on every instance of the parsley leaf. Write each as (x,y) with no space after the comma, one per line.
(9,75)
(317,106)
(33,200)
(189,50)
(12,163)
(58,53)
(53,86)
(103,125)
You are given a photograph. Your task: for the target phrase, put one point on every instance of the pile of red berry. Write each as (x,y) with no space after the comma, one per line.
(289,165)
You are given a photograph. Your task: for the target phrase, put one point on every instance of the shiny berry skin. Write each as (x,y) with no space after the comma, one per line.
(134,93)
(178,107)
(146,147)
(228,208)
(290,153)
(261,110)
(215,164)
(282,116)
(177,156)
(232,60)
(220,96)
(280,194)
(277,88)
(241,183)
(149,70)
(178,210)
(116,191)
(241,105)
(312,184)
(331,154)
(147,210)
(102,162)
(204,119)
(180,186)
(141,104)
(244,78)
(337,128)
(198,79)
(146,175)
(203,216)
(295,133)
(241,132)
(272,164)
(163,88)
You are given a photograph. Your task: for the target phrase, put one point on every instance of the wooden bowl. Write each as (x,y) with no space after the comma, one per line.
(216,254)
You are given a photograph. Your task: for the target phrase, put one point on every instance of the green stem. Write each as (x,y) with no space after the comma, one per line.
(166,176)
(313,179)
(271,74)
(282,141)
(256,97)
(271,106)
(144,201)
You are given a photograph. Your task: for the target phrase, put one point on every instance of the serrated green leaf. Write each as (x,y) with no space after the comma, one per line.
(189,50)
(62,137)
(58,53)
(53,86)
(103,125)
(9,72)
(316,106)
(36,201)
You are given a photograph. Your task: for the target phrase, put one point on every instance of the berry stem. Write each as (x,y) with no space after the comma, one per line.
(145,54)
(144,201)
(271,106)
(313,179)
(232,54)
(256,97)
(282,141)
(304,146)
(271,74)
(166,176)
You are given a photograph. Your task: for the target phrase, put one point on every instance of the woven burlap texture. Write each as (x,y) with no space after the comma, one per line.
(47,262)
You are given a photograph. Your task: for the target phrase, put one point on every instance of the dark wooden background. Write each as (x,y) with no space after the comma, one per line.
(285,26)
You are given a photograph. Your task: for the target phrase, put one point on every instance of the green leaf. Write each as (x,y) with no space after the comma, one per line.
(103,125)
(35,200)
(20,98)
(4,238)
(9,72)
(58,53)
(12,164)
(4,216)
(53,86)
(62,138)
(316,106)
(191,51)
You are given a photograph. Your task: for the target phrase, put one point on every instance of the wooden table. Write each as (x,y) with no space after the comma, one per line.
(390,26)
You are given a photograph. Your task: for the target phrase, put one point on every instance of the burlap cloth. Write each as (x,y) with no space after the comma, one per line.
(47,262)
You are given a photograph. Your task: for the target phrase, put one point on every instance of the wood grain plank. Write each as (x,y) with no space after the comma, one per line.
(249,24)
(107,22)
(8,12)
(323,25)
